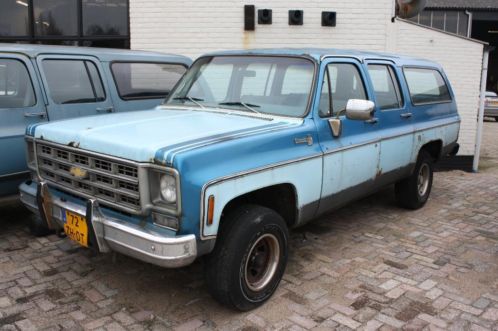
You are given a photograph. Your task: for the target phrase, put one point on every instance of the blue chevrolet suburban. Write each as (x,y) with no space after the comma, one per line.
(248,145)
(41,83)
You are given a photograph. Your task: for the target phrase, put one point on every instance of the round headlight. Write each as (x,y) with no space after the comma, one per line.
(168,188)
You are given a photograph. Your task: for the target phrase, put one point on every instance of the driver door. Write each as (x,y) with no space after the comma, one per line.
(351,160)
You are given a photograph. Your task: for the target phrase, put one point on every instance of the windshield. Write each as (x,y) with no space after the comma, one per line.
(257,84)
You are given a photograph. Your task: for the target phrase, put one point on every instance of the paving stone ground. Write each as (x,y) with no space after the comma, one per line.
(368,266)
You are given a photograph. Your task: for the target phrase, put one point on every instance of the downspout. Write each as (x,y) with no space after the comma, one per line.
(480,116)
(469,27)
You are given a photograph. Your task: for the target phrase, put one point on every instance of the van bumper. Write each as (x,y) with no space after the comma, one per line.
(110,234)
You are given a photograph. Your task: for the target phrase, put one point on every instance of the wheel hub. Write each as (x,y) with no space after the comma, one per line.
(262,262)
(423,179)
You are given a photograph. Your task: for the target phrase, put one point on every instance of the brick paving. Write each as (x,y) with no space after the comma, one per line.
(369,266)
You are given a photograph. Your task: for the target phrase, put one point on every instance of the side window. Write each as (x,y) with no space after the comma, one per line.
(16,90)
(141,80)
(386,87)
(345,84)
(426,86)
(324,106)
(73,81)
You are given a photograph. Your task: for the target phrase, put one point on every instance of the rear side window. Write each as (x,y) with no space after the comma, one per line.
(146,80)
(386,87)
(73,81)
(16,90)
(426,86)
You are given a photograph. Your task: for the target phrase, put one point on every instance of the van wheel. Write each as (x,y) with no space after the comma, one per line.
(249,257)
(37,228)
(413,192)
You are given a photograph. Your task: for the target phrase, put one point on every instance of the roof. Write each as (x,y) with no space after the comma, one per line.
(103,54)
(463,4)
(319,53)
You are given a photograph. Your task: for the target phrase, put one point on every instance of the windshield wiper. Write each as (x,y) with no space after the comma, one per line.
(249,106)
(191,99)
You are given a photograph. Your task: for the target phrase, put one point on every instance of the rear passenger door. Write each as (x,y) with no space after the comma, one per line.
(395,121)
(75,86)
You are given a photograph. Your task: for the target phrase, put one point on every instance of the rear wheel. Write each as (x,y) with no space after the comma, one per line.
(249,258)
(413,192)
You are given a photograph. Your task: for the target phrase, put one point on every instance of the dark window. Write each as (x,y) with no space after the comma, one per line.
(426,17)
(463,24)
(426,86)
(56,17)
(451,23)
(146,80)
(73,81)
(345,84)
(438,19)
(16,90)
(14,18)
(386,87)
(105,17)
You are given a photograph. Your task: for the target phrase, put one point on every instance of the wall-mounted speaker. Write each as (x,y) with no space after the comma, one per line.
(296,17)
(249,17)
(264,16)
(329,18)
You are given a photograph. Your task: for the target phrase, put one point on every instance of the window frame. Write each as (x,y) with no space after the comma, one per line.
(397,87)
(114,80)
(92,85)
(451,99)
(331,99)
(30,81)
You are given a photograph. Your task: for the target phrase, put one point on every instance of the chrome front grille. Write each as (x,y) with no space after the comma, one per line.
(111,181)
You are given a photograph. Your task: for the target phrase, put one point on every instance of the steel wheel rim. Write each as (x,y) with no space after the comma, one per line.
(262,262)
(423,179)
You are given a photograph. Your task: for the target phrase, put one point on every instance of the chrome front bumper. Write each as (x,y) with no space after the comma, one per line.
(112,234)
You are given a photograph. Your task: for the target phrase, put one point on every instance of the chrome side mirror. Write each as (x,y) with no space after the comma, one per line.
(360,110)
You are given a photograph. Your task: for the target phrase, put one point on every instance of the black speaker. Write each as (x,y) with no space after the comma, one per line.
(296,17)
(249,17)
(329,18)
(264,16)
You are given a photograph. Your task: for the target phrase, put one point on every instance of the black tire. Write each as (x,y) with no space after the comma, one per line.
(409,192)
(231,269)
(37,228)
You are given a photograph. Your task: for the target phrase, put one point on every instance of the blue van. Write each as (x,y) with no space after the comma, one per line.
(48,83)
(247,146)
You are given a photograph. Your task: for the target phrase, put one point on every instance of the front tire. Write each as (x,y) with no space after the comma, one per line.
(413,192)
(249,257)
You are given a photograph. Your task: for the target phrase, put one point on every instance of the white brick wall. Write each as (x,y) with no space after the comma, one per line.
(194,27)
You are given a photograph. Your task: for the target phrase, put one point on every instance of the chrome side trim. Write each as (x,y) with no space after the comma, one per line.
(284,163)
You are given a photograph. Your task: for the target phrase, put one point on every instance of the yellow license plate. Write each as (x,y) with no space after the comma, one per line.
(76,228)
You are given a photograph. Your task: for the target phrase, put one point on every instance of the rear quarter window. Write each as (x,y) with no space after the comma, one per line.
(426,86)
(141,80)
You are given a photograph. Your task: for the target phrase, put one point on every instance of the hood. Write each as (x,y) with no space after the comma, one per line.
(145,136)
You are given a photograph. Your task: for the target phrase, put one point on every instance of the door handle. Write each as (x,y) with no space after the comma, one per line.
(40,115)
(372,121)
(406,115)
(105,109)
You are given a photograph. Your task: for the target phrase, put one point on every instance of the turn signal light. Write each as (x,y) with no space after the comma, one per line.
(210,210)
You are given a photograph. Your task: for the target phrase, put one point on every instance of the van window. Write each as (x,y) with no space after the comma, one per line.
(16,90)
(73,81)
(146,80)
(345,84)
(426,86)
(386,87)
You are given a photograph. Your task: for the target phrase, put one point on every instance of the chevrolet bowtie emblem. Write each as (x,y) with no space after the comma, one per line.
(78,172)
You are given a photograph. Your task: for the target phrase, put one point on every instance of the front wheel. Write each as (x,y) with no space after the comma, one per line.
(413,192)
(249,258)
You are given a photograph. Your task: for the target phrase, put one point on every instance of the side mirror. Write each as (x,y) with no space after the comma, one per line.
(360,110)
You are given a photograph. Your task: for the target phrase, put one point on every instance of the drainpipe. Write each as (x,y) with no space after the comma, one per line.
(480,117)
(469,27)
